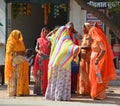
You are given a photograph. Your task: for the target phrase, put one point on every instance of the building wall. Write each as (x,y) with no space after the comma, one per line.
(2,31)
(31,25)
(77,15)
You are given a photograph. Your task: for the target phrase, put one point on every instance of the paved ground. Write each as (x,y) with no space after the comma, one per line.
(113,98)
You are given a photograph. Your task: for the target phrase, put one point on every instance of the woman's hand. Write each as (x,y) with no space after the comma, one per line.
(101,54)
(96,61)
(49,44)
(39,52)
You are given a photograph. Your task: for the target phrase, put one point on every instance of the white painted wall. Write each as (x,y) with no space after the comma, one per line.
(77,15)
(2,31)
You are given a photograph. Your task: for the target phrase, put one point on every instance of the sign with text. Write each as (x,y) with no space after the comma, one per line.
(90,18)
(103,4)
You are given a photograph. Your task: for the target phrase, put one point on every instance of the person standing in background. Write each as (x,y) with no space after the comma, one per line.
(30,59)
(40,68)
(16,65)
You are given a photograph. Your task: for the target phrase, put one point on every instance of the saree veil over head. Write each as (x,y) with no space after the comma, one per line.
(62,50)
(14,44)
(109,72)
(43,46)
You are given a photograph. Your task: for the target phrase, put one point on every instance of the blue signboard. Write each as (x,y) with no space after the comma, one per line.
(92,19)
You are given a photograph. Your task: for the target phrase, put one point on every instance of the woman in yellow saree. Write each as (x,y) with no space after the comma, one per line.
(16,65)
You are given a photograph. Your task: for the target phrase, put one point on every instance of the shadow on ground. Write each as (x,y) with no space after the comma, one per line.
(113,96)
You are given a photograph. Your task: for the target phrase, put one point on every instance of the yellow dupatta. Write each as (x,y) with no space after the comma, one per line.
(14,44)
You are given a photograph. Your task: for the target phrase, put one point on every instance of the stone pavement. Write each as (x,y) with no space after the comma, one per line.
(113,98)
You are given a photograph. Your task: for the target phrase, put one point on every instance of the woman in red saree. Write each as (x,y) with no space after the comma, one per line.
(83,86)
(40,69)
(100,56)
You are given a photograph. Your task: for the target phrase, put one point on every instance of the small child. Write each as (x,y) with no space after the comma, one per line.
(30,59)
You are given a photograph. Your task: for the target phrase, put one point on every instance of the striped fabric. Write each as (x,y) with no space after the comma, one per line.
(63,49)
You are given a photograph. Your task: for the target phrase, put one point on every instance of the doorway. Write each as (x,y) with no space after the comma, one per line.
(31,25)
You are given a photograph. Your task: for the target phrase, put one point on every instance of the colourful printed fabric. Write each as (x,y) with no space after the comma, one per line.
(76,40)
(59,84)
(63,49)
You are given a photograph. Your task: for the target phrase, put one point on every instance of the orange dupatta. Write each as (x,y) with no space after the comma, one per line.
(106,64)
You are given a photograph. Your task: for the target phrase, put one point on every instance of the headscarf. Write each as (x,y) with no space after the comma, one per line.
(87,26)
(44,48)
(14,44)
(43,43)
(109,72)
(62,50)
(70,27)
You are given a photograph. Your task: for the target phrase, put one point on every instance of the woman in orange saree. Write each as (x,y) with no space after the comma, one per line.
(100,56)
(16,65)
(83,86)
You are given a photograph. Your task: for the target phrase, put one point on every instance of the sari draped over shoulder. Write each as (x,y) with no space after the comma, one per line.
(40,69)
(16,64)
(63,50)
(13,45)
(76,40)
(83,86)
(44,48)
(105,64)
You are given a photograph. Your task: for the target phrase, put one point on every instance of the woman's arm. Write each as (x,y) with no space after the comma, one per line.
(37,49)
(101,54)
